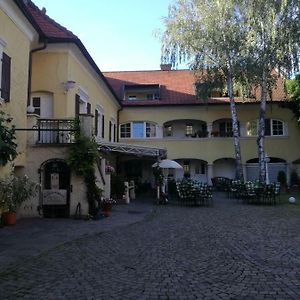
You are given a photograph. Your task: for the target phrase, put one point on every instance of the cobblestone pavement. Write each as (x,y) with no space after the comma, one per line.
(229,251)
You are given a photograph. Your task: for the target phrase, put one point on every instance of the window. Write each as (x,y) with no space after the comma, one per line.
(5,69)
(168,130)
(138,130)
(277,127)
(273,127)
(125,130)
(226,128)
(200,168)
(36,102)
(186,167)
(112,130)
(131,97)
(251,128)
(189,129)
(150,130)
(154,96)
(99,122)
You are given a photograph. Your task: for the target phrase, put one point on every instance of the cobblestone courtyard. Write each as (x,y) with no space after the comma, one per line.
(229,251)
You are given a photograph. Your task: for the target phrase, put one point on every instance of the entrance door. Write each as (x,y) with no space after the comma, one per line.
(43,107)
(56,189)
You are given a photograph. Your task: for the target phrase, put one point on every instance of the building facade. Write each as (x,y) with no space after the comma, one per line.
(49,81)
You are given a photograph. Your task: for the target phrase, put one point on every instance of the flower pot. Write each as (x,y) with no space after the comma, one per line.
(9,218)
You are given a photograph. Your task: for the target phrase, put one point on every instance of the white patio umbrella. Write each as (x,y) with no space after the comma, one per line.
(167,164)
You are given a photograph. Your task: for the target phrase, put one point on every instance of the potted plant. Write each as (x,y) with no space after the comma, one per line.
(13,192)
(106,206)
(294,181)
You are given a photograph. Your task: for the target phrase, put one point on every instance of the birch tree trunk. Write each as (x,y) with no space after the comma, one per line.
(261,129)
(235,129)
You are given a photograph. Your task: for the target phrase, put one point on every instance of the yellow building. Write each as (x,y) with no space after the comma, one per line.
(17,38)
(135,117)
(160,108)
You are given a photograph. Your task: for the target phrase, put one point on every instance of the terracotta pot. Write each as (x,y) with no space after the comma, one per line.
(9,218)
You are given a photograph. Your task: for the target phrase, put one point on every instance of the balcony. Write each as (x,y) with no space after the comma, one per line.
(56,131)
(185,129)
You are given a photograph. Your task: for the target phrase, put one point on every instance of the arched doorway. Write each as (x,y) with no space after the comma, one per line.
(55,188)
(274,166)
(224,167)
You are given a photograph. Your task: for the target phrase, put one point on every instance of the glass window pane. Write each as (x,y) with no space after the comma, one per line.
(277,127)
(138,129)
(267,127)
(125,130)
(150,130)
(252,128)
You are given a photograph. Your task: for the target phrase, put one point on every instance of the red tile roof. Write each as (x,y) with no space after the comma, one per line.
(176,87)
(48,26)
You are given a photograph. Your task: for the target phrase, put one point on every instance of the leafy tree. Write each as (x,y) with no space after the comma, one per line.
(272,43)
(292,88)
(8,147)
(210,35)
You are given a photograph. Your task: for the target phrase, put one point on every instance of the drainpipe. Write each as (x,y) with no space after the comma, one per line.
(30,70)
(118,123)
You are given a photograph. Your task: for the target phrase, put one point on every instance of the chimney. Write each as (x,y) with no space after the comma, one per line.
(166,67)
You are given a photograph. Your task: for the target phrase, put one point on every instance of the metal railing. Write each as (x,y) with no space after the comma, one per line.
(56,131)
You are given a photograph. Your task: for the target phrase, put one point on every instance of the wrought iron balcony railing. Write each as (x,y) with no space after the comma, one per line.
(56,131)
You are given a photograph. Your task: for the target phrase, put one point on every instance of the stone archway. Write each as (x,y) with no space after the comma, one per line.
(55,188)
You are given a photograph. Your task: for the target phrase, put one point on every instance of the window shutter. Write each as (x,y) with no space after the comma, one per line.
(5,82)
(88,108)
(115,133)
(77,105)
(103,123)
(96,122)
(109,131)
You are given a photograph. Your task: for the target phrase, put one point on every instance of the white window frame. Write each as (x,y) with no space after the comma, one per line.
(112,123)
(83,100)
(284,128)
(144,130)
(2,46)
(100,110)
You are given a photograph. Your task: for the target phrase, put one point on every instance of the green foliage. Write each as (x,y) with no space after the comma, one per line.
(281,177)
(82,155)
(8,148)
(81,159)
(292,88)
(14,191)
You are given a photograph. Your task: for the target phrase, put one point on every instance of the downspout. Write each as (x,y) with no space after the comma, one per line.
(118,123)
(30,69)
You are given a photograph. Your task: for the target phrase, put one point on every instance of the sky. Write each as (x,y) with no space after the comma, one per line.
(119,34)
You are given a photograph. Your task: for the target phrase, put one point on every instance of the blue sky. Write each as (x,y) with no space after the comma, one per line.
(119,34)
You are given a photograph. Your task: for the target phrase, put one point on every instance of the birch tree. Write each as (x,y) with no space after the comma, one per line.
(273,44)
(210,35)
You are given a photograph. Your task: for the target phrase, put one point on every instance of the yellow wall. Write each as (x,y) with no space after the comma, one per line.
(49,71)
(210,149)
(52,68)
(18,47)
(96,91)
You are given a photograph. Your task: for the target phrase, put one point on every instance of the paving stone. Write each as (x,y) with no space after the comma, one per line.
(230,251)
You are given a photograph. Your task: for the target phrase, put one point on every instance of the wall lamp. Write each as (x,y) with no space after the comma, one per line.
(69,84)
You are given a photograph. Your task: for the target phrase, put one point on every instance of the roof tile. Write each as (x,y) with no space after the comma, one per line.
(177,87)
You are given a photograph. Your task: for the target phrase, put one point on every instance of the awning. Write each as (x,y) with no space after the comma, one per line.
(132,149)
